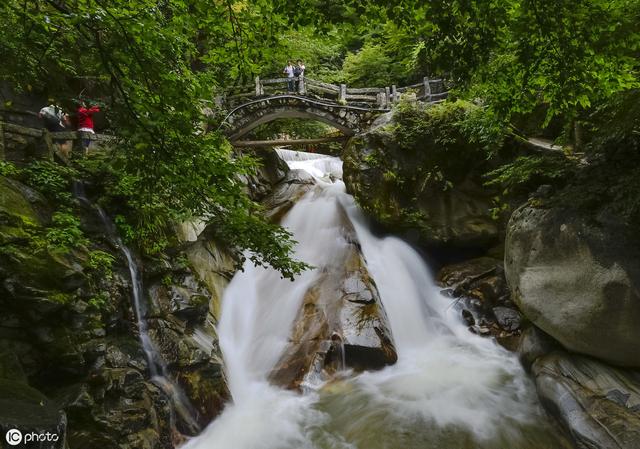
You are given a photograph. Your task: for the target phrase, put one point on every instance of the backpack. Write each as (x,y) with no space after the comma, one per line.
(297,71)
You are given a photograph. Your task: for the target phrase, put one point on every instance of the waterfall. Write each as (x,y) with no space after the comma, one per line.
(449,388)
(158,369)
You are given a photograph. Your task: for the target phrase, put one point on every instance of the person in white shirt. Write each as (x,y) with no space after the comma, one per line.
(289,71)
(54,118)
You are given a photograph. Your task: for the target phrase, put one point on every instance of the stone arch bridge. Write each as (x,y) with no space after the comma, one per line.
(350,110)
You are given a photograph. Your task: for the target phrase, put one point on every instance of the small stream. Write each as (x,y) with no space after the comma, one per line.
(158,369)
(449,388)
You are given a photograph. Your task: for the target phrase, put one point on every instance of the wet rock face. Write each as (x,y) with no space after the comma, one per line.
(117,406)
(83,360)
(577,280)
(598,405)
(482,296)
(341,321)
(457,217)
(535,344)
(181,323)
(213,266)
(270,172)
(286,193)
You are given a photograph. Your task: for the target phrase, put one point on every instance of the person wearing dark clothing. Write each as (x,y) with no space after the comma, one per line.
(298,72)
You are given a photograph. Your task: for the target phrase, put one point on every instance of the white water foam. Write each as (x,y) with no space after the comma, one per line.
(449,388)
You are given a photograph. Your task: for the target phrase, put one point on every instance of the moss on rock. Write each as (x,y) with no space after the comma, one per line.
(419,173)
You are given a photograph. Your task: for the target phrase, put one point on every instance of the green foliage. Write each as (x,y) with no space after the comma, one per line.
(99,269)
(370,66)
(51,179)
(568,57)
(152,67)
(101,263)
(484,128)
(252,233)
(294,128)
(609,186)
(64,233)
(525,173)
(322,54)
(7,169)
(446,141)
(99,301)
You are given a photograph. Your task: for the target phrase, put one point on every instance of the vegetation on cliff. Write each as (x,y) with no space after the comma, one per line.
(154,65)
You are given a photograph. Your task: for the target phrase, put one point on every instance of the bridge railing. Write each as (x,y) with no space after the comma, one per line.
(19,143)
(429,90)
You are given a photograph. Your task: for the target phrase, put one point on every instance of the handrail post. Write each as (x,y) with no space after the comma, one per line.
(342,95)
(394,93)
(387,96)
(427,89)
(258,87)
(48,141)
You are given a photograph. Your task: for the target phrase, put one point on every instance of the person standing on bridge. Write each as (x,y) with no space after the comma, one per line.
(289,70)
(298,72)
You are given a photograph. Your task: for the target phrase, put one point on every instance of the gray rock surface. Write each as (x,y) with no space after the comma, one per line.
(577,280)
(341,311)
(533,345)
(479,291)
(599,405)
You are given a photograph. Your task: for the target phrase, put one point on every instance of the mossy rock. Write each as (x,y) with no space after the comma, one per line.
(13,203)
(418,175)
(10,367)
(26,409)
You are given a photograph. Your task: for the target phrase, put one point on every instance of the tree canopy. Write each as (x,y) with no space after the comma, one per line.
(157,64)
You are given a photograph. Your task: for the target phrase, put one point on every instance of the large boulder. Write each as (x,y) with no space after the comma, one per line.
(578,280)
(341,323)
(423,182)
(598,405)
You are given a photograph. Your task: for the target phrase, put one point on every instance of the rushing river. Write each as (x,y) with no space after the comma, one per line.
(450,389)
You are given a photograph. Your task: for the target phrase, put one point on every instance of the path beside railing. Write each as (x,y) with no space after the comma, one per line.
(18,142)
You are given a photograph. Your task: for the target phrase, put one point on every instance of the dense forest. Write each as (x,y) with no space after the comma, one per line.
(566,73)
(568,70)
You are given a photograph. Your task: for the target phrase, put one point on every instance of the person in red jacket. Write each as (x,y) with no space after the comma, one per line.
(85,120)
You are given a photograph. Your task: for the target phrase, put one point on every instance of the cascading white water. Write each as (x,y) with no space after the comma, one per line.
(157,366)
(449,389)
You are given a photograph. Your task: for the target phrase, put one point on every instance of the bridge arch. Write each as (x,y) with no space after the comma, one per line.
(350,120)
